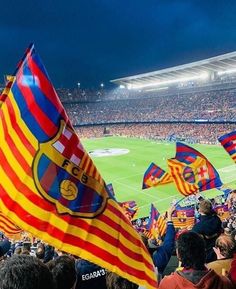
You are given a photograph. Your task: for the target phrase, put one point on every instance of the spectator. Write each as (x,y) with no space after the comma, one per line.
(5,246)
(25,272)
(63,272)
(114,281)
(224,249)
(191,252)
(89,275)
(209,227)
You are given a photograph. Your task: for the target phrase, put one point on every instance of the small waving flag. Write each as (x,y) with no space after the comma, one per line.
(183,217)
(155,176)
(228,141)
(192,172)
(157,223)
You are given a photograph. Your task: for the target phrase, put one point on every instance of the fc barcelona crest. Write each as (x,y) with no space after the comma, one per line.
(61,179)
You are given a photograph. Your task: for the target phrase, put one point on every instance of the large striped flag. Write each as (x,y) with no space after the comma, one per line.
(192,172)
(157,224)
(8,227)
(50,187)
(155,176)
(228,141)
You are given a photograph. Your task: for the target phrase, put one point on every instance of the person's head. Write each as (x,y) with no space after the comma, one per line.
(114,281)
(5,246)
(190,249)
(205,207)
(63,271)
(40,252)
(25,272)
(224,247)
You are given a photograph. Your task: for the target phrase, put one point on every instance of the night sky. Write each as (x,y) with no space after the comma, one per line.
(94,41)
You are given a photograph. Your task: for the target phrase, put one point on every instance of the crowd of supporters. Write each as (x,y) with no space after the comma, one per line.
(203,254)
(217,105)
(191,133)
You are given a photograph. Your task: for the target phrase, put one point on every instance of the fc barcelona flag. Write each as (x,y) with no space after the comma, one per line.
(228,141)
(192,172)
(183,217)
(156,224)
(50,187)
(155,176)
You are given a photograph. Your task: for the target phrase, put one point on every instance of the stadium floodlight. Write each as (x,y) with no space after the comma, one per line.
(229,71)
(78,84)
(102,85)
(122,86)
(201,76)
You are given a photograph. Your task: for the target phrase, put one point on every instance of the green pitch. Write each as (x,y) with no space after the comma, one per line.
(125,172)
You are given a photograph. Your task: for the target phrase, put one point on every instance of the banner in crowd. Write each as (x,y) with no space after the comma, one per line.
(228,141)
(157,224)
(155,176)
(222,211)
(130,209)
(183,217)
(191,171)
(50,186)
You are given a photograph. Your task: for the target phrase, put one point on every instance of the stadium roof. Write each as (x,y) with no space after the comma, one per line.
(203,69)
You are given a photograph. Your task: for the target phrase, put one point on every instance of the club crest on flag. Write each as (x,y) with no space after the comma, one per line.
(188,175)
(60,180)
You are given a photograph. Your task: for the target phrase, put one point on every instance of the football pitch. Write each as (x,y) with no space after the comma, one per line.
(125,171)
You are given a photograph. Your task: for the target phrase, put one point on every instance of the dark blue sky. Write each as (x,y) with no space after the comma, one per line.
(93,41)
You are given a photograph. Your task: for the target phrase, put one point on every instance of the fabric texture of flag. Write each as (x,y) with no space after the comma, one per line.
(9,81)
(50,186)
(192,172)
(183,217)
(228,141)
(155,176)
(156,224)
(8,227)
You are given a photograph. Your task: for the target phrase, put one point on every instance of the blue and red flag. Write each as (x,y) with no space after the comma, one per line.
(191,171)
(155,176)
(183,217)
(228,141)
(51,188)
(157,224)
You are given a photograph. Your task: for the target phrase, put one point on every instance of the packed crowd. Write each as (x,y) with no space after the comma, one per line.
(205,257)
(191,133)
(214,106)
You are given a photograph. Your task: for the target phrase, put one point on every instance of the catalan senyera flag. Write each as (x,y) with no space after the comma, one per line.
(228,141)
(8,227)
(157,223)
(183,217)
(9,81)
(50,187)
(155,176)
(192,172)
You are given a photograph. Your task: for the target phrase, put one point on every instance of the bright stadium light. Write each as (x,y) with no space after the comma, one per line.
(122,86)
(201,76)
(229,71)
(102,85)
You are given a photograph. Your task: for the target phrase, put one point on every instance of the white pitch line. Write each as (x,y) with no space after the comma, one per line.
(161,200)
